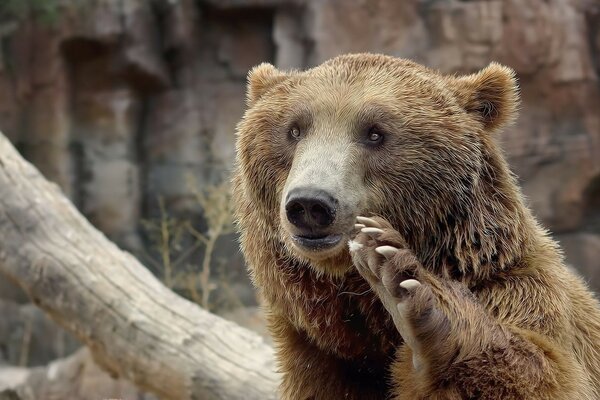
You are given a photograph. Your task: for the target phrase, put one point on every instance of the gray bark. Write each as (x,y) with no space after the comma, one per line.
(133,325)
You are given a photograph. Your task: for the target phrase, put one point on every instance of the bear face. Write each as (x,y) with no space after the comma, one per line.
(320,147)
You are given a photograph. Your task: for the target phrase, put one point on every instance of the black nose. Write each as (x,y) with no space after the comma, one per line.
(310,209)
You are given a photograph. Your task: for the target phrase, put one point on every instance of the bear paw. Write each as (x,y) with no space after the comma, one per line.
(384,260)
(382,257)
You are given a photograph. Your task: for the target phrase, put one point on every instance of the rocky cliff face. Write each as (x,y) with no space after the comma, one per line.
(123,102)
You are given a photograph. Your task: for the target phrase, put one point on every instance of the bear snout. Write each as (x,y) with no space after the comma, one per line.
(311,210)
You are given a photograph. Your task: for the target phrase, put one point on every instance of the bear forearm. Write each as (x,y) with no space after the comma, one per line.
(522,365)
(517,369)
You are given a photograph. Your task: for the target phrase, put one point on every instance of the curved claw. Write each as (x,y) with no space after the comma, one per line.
(387,251)
(368,222)
(410,284)
(359,226)
(371,231)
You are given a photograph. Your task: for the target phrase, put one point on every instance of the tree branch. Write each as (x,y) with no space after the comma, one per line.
(133,325)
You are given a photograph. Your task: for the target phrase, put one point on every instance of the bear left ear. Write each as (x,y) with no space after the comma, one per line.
(491,94)
(260,79)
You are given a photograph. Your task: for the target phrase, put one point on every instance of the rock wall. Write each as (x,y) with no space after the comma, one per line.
(123,102)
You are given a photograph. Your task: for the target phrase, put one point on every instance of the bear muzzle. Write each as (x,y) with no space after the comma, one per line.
(312,213)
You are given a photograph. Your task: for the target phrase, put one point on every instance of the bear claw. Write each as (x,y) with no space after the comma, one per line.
(368,222)
(410,284)
(387,251)
(371,231)
(359,226)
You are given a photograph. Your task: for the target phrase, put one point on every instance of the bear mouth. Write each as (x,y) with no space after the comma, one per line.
(317,243)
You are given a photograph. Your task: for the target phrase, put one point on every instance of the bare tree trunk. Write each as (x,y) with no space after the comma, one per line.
(134,326)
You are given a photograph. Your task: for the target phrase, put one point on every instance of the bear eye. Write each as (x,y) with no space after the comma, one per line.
(374,136)
(295,133)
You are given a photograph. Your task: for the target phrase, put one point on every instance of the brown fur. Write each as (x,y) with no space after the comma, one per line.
(500,316)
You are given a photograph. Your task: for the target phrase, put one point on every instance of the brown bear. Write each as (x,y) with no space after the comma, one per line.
(392,246)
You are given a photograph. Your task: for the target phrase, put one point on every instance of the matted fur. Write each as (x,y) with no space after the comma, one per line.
(520,325)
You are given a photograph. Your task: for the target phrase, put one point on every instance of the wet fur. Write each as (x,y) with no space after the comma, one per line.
(529,327)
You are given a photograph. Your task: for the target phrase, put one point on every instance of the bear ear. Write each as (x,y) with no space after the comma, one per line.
(260,79)
(491,94)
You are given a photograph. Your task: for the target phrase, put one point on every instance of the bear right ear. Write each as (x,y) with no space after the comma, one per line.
(492,95)
(260,79)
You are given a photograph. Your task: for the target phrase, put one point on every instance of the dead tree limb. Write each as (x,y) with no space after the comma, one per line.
(134,326)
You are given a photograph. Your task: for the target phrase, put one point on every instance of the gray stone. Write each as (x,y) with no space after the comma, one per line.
(29,338)
(583,253)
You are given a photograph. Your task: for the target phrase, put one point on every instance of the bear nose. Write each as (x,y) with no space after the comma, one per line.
(310,209)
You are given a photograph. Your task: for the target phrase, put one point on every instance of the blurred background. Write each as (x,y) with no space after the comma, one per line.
(130,106)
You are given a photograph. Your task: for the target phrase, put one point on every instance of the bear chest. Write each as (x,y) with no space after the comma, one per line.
(342,317)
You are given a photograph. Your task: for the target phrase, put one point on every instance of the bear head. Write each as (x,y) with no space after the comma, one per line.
(375,135)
